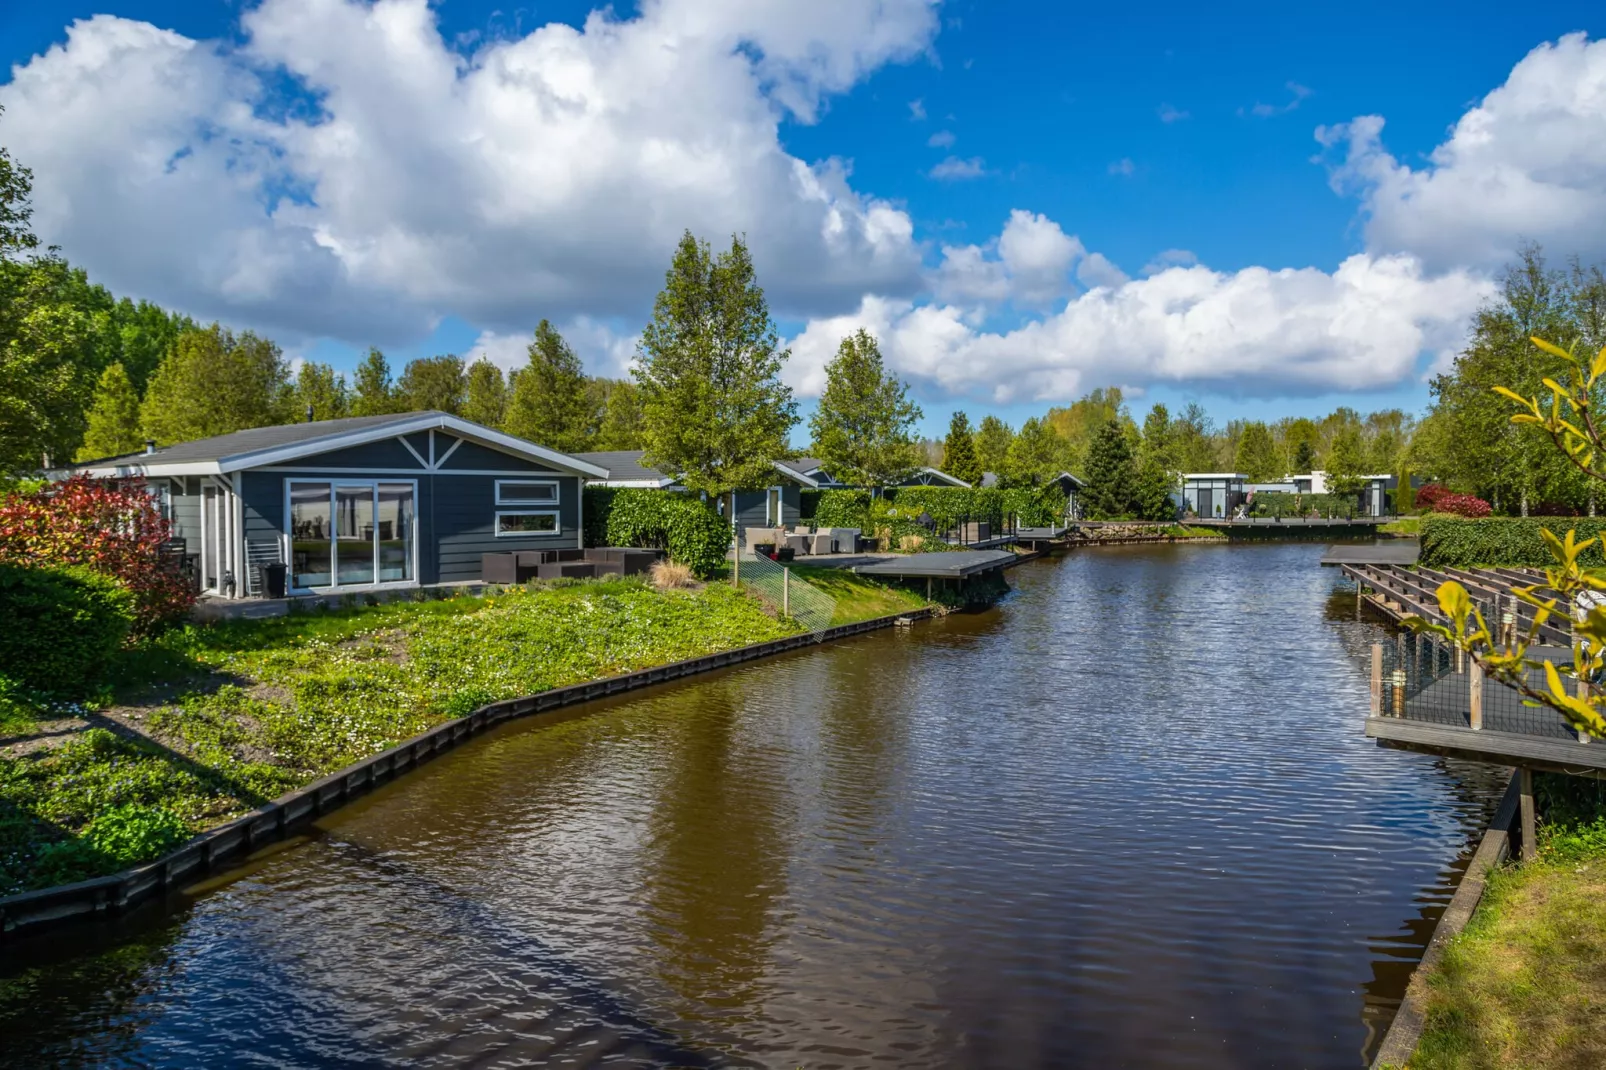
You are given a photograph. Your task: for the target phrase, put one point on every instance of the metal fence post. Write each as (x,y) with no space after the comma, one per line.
(1525,789)
(786,592)
(1475,694)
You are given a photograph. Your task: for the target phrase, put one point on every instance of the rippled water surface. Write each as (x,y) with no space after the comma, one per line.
(1126,819)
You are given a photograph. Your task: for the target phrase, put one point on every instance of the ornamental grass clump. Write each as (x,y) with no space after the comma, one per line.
(668,575)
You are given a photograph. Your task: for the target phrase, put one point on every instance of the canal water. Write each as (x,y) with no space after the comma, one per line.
(1125,819)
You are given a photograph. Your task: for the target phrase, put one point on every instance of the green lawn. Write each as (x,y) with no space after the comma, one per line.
(216,720)
(1524,985)
(858,597)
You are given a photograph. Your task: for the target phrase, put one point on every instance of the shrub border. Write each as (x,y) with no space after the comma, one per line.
(102,897)
(1405,1031)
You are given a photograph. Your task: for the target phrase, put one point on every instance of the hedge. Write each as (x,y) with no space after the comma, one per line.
(1514,542)
(62,627)
(948,507)
(694,534)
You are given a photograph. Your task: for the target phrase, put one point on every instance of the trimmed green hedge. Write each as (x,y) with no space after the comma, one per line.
(61,627)
(694,534)
(1457,542)
(948,507)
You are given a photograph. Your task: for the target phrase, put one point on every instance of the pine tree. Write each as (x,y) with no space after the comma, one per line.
(1158,438)
(375,394)
(862,427)
(1111,474)
(714,408)
(992,444)
(621,417)
(1152,493)
(214,383)
(113,418)
(1304,457)
(550,401)
(319,393)
(959,457)
(485,394)
(432,384)
(1256,455)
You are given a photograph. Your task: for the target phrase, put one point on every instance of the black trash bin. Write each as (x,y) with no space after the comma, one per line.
(273,577)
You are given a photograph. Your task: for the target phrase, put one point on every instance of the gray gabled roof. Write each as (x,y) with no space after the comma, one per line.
(260,446)
(625,468)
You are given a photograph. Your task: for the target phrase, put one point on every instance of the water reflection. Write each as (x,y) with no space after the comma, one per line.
(1126,819)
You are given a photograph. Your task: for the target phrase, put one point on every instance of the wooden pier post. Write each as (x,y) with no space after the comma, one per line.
(1475,695)
(1399,692)
(1581,691)
(1525,798)
(736,564)
(1377,679)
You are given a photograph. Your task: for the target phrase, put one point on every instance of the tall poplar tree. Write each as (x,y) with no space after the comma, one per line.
(621,417)
(485,394)
(113,418)
(215,383)
(550,401)
(959,457)
(319,393)
(993,437)
(375,394)
(862,426)
(432,384)
(1257,456)
(714,408)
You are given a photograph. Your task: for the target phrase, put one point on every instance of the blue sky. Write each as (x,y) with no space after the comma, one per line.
(1153,128)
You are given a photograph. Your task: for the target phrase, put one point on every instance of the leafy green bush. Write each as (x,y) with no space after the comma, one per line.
(596,507)
(1278,503)
(842,509)
(948,507)
(1515,542)
(61,626)
(128,835)
(692,533)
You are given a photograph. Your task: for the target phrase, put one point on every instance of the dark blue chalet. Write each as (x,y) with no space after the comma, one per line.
(359,504)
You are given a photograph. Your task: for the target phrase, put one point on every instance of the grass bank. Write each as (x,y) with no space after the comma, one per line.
(1524,984)
(206,723)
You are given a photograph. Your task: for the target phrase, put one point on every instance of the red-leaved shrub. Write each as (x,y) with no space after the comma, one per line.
(1461,505)
(1428,495)
(110,526)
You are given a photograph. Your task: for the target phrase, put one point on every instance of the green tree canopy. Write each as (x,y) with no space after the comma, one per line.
(1346,462)
(433,384)
(1151,494)
(959,456)
(993,437)
(862,427)
(550,401)
(714,408)
(1159,442)
(48,364)
(320,391)
(1193,438)
(16,207)
(1257,455)
(1112,475)
(113,418)
(215,383)
(1036,455)
(485,394)
(621,417)
(374,393)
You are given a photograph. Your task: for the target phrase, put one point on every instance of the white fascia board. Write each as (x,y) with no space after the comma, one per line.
(793,473)
(143,471)
(954,481)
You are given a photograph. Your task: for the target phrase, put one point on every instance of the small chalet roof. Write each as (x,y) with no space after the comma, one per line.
(1073,479)
(260,446)
(626,470)
(1214,475)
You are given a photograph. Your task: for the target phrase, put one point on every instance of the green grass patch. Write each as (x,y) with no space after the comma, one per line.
(260,707)
(1405,525)
(858,597)
(1185,531)
(1524,984)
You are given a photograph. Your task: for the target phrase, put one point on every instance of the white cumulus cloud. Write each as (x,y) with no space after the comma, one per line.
(549,174)
(1527,163)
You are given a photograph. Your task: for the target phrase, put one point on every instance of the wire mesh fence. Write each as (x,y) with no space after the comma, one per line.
(789,595)
(1418,679)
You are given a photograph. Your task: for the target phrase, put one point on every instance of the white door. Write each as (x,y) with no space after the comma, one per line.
(214,537)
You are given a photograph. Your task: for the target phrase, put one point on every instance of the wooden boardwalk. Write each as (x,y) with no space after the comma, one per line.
(1398,592)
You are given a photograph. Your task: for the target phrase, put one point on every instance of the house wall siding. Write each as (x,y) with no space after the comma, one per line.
(462,517)
(386,453)
(472,455)
(186,521)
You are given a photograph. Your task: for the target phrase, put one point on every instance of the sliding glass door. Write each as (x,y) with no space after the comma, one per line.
(350,533)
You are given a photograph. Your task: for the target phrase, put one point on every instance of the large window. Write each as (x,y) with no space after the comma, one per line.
(351,533)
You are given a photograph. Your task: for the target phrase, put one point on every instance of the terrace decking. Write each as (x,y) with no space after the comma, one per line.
(1427,697)
(949,565)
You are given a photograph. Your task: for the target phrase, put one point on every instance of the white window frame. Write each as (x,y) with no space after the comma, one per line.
(288,540)
(557,524)
(557,492)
